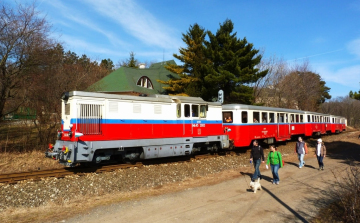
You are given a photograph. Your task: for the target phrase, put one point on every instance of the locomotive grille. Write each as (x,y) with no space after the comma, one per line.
(90,119)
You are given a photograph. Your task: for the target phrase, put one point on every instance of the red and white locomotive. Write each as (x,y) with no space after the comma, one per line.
(268,125)
(97,127)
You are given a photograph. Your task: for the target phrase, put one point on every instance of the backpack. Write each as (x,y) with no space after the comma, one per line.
(283,163)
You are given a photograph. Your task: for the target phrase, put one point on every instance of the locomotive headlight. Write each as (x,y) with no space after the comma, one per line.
(78,134)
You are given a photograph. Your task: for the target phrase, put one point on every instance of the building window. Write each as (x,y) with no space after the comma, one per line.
(144,82)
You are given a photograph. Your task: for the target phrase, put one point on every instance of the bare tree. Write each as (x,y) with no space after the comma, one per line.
(23,36)
(290,86)
(269,90)
(344,106)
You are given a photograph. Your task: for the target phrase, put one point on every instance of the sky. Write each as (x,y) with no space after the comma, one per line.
(324,33)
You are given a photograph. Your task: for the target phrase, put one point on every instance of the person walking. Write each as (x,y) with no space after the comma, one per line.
(301,149)
(320,153)
(257,157)
(275,160)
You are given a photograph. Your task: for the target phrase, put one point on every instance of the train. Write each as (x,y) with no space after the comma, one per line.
(101,127)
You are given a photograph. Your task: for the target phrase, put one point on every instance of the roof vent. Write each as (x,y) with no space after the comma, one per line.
(142,65)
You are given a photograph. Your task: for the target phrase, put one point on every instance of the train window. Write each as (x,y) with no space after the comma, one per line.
(297,118)
(195,110)
(67,109)
(113,106)
(256,116)
(187,110)
(136,108)
(178,110)
(281,118)
(301,118)
(286,118)
(264,117)
(292,119)
(312,118)
(227,117)
(202,111)
(309,120)
(244,117)
(272,117)
(157,109)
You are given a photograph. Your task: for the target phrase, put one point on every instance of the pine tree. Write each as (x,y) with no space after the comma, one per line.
(354,95)
(193,58)
(233,65)
(131,62)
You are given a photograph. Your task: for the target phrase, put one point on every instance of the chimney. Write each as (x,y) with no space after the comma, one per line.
(141,65)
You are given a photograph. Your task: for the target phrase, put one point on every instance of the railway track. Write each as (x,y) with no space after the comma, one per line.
(13,178)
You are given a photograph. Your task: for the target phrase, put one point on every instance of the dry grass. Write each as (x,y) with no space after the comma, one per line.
(27,161)
(343,196)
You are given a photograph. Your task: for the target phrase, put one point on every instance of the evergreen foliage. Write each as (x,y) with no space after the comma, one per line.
(131,62)
(223,62)
(233,65)
(354,95)
(191,72)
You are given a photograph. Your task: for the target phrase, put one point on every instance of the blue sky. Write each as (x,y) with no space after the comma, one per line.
(326,33)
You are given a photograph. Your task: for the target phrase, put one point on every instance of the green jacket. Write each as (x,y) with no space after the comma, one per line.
(274,158)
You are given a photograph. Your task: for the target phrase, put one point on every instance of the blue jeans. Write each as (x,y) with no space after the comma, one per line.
(257,170)
(301,159)
(320,160)
(274,170)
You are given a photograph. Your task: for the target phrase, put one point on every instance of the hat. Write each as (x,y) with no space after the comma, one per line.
(319,140)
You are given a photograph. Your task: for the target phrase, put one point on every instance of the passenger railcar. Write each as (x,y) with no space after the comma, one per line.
(246,123)
(97,127)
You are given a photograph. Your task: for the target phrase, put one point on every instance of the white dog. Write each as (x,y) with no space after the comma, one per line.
(255,185)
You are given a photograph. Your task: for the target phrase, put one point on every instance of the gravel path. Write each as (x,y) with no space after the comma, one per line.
(294,200)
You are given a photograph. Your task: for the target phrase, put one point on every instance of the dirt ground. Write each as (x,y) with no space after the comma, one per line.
(210,190)
(225,197)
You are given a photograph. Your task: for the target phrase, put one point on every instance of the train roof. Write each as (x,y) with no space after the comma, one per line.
(261,108)
(151,98)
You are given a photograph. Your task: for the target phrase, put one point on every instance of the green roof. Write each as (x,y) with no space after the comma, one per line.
(124,79)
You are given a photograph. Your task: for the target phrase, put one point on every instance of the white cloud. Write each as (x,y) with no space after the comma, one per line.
(348,76)
(354,47)
(81,46)
(137,21)
(81,19)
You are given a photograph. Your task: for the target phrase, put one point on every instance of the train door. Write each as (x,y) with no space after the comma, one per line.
(195,120)
(187,122)
(322,123)
(243,131)
(205,130)
(283,126)
(66,118)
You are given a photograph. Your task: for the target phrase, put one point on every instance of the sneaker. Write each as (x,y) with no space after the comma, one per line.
(319,168)
(273,182)
(322,168)
(300,167)
(277,183)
